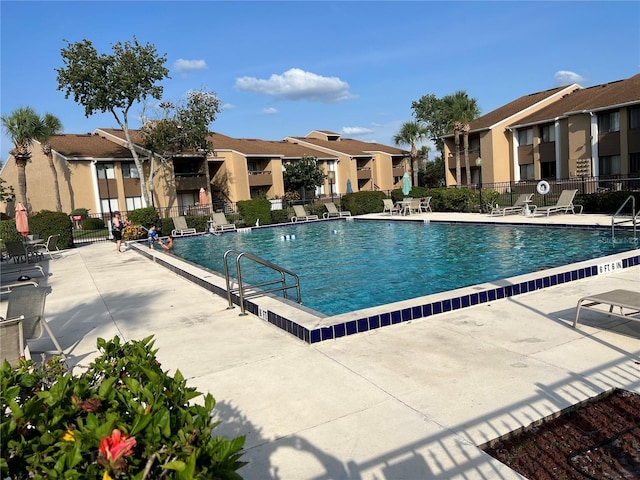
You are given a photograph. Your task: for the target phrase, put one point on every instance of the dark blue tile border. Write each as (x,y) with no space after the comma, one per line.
(365,324)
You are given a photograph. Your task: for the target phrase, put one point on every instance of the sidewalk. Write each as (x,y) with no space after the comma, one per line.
(404,402)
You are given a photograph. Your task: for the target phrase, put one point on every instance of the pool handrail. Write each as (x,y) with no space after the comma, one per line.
(240,290)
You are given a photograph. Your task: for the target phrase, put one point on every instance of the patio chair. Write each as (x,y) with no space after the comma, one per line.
(301,214)
(563,205)
(29,303)
(425,205)
(12,344)
(332,211)
(517,207)
(389,206)
(17,251)
(47,248)
(14,271)
(219,223)
(7,287)
(180,227)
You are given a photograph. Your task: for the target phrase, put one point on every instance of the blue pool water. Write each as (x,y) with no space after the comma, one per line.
(350,265)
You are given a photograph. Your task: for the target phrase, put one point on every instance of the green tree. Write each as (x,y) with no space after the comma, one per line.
(6,193)
(443,115)
(303,174)
(179,128)
(411,133)
(432,175)
(113,83)
(24,126)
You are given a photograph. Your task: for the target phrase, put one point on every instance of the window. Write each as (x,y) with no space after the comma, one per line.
(634,163)
(129,170)
(527,172)
(133,203)
(634,117)
(525,137)
(609,122)
(548,133)
(548,169)
(105,169)
(109,208)
(609,165)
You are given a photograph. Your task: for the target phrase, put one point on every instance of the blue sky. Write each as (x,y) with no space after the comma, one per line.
(353,67)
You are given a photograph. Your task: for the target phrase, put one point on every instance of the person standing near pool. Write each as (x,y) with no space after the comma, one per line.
(117,225)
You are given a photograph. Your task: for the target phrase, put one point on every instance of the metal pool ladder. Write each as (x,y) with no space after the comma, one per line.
(283,286)
(633,219)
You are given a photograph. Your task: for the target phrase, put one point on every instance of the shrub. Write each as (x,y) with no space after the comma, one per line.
(252,210)
(416,192)
(8,232)
(453,199)
(57,425)
(144,216)
(133,232)
(93,224)
(45,223)
(279,216)
(80,212)
(359,203)
(607,202)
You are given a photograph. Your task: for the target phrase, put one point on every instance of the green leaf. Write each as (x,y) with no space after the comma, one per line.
(175,465)
(140,423)
(106,386)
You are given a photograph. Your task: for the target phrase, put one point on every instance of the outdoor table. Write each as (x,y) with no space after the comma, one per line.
(526,211)
(405,207)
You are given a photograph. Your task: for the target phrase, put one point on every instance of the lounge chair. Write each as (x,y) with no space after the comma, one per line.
(614,298)
(219,223)
(389,206)
(180,227)
(301,214)
(47,248)
(29,303)
(12,343)
(21,269)
(517,207)
(563,205)
(7,287)
(332,211)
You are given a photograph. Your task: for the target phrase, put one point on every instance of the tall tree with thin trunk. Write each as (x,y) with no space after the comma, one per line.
(24,126)
(463,110)
(113,83)
(52,126)
(411,133)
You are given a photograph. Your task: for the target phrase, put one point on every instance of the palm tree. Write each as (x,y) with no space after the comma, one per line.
(462,110)
(411,133)
(23,126)
(52,126)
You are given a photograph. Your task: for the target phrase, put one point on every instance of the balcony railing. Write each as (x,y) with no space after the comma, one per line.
(364,173)
(260,178)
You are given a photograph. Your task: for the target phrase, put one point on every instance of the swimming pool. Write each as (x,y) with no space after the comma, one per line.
(351,265)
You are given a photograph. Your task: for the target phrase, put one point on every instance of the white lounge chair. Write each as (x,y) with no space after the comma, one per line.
(425,205)
(563,205)
(332,211)
(219,223)
(12,343)
(301,214)
(517,207)
(29,303)
(180,227)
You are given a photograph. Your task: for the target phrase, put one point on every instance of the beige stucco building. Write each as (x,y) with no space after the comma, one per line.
(565,132)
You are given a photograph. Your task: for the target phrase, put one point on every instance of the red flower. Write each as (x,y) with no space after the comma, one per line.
(114,448)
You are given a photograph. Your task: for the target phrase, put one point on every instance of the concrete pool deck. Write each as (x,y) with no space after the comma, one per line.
(407,401)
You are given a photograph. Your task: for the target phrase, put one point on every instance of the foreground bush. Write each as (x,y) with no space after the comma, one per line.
(124,418)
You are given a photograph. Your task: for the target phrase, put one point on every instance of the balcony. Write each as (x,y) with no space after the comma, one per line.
(190,181)
(398,171)
(364,173)
(260,178)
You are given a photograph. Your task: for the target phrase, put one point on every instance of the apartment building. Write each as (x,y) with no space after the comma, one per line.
(566,132)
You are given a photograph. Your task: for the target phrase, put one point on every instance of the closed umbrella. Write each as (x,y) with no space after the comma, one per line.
(22,222)
(203,197)
(349,188)
(406,184)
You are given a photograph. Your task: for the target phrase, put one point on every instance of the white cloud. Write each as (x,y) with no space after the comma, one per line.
(356,131)
(565,77)
(183,66)
(227,106)
(269,111)
(296,84)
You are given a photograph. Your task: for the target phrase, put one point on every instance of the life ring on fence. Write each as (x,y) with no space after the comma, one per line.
(543,187)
